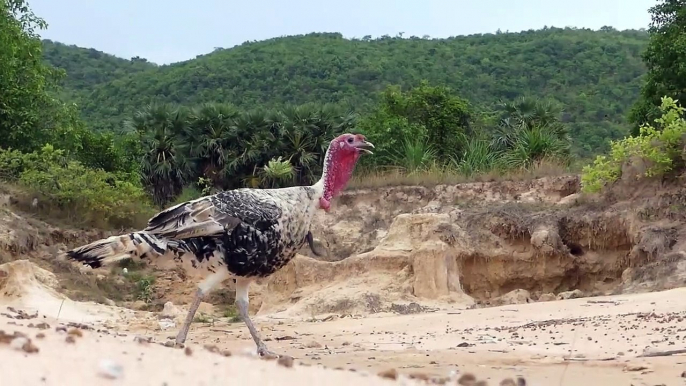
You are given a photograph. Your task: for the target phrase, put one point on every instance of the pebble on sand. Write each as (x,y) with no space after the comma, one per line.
(109,369)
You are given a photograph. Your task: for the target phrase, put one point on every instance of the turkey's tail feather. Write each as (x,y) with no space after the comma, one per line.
(115,248)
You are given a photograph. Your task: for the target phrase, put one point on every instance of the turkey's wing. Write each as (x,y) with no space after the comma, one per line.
(216,214)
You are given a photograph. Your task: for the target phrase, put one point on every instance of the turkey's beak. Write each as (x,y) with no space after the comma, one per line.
(364,145)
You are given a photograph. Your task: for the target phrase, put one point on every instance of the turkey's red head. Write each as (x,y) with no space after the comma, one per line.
(343,153)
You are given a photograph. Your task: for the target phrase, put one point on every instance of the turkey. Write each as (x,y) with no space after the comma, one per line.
(241,234)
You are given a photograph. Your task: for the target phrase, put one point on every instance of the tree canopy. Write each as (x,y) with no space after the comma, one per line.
(665,57)
(595,75)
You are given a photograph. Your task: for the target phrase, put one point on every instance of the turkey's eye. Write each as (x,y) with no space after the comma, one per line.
(350,140)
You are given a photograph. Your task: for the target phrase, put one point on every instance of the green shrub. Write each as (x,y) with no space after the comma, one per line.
(660,149)
(85,196)
(478,158)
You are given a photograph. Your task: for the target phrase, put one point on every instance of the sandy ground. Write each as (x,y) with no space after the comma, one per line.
(594,341)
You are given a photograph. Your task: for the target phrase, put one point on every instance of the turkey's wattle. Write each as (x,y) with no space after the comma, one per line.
(242,234)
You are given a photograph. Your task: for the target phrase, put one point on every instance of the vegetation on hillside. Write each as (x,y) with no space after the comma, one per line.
(88,67)
(216,146)
(595,75)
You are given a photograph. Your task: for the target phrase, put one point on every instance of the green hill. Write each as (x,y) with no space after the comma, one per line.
(595,75)
(87,67)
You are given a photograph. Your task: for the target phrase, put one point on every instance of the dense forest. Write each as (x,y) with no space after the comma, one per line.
(594,75)
(88,67)
(106,141)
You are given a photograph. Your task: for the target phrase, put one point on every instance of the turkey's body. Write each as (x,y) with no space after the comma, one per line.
(250,233)
(253,232)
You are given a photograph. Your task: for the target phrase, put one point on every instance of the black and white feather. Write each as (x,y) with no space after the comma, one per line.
(250,232)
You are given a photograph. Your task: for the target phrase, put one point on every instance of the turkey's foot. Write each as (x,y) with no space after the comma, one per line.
(265,353)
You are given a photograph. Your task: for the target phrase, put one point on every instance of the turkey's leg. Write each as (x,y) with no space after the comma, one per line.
(242,303)
(203,289)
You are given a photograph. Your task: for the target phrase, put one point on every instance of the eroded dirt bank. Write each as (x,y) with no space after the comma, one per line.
(479,242)
(463,245)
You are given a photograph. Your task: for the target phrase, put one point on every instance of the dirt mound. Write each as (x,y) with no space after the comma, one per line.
(24,281)
(25,285)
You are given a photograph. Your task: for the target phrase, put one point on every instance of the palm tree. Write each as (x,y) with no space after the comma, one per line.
(211,135)
(533,145)
(234,149)
(165,167)
(530,130)
(248,148)
(307,130)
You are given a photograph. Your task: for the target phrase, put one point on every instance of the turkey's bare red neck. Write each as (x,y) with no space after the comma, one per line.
(339,164)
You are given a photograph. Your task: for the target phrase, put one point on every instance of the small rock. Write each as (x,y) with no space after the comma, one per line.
(521,381)
(547,297)
(508,382)
(467,379)
(683,374)
(18,342)
(188,351)
(70,339)
(142,339)
(389,374)
(419,376)
(29,347)
(285,361)
(635,367)
(313,344)
(22,343)
(570,295)
(166,324)
(40,335)
(170,311)
(110,369)
(6,338)
(75,332)
(169,343)
(518,296)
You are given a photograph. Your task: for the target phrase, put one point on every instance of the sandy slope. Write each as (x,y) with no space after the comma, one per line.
(619,327)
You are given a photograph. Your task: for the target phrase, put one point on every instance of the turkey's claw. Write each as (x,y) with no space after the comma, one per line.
(263,352)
